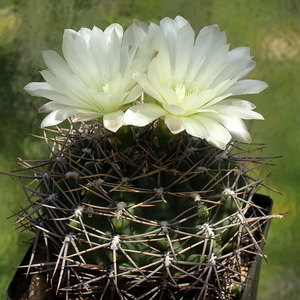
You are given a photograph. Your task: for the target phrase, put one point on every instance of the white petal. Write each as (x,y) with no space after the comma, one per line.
(204,97)
(103,102)
(170,29)
(139,28)
(234,71)
(249,68)
(247,86)
(235,126)
(174,109)
(143,114)
(237,112)
(114,35)
(58,116)
(191,103)
(33,87)
(86,116)
(142,80)
(215,129)
(113,121)
(238,54)
(238,130)
(43,89)
(160,70)
(214,101)
(174,124)
(72,87)
(214,65)
(216,143)
(69,38)
(169,95)
(194,127)
(180,21)
(99,50)
(204,47)
(114,31)
(184,45)
(135,93)
(238,102)
(207,128)
(141,63)
(55,62)
(50,106)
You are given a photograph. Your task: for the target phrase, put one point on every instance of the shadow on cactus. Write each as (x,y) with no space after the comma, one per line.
(157,219)
(154,198)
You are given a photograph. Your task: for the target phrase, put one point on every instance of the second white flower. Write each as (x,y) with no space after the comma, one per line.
(192,80)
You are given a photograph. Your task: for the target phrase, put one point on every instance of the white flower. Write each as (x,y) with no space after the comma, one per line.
(192,81)
(95,79)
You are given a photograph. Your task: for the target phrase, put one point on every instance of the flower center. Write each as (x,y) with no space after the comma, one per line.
(100,84)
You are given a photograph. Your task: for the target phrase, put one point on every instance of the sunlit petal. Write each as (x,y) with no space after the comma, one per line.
(57,116)
(143,114)
(113,121)
(194,127)
(247,86)
(148,87)
(174,109)
(50,106)
(174,123)
(235,126)
(237,112)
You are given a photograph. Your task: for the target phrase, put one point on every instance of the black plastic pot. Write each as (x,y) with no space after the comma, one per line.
(21,283)
(250,290)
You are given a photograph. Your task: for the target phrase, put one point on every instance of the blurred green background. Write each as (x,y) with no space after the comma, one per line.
(270,27)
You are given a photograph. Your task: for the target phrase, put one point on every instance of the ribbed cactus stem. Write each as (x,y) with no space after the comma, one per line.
(125,138)
(164,140)
(118,216)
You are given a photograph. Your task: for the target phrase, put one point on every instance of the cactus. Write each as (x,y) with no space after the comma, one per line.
(141,212)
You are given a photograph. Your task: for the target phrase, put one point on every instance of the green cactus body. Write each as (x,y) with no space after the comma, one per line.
(142,214)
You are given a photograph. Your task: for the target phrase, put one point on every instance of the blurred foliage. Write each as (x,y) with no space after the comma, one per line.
(270,27)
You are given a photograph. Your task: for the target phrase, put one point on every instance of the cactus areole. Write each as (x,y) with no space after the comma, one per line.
(151,195)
